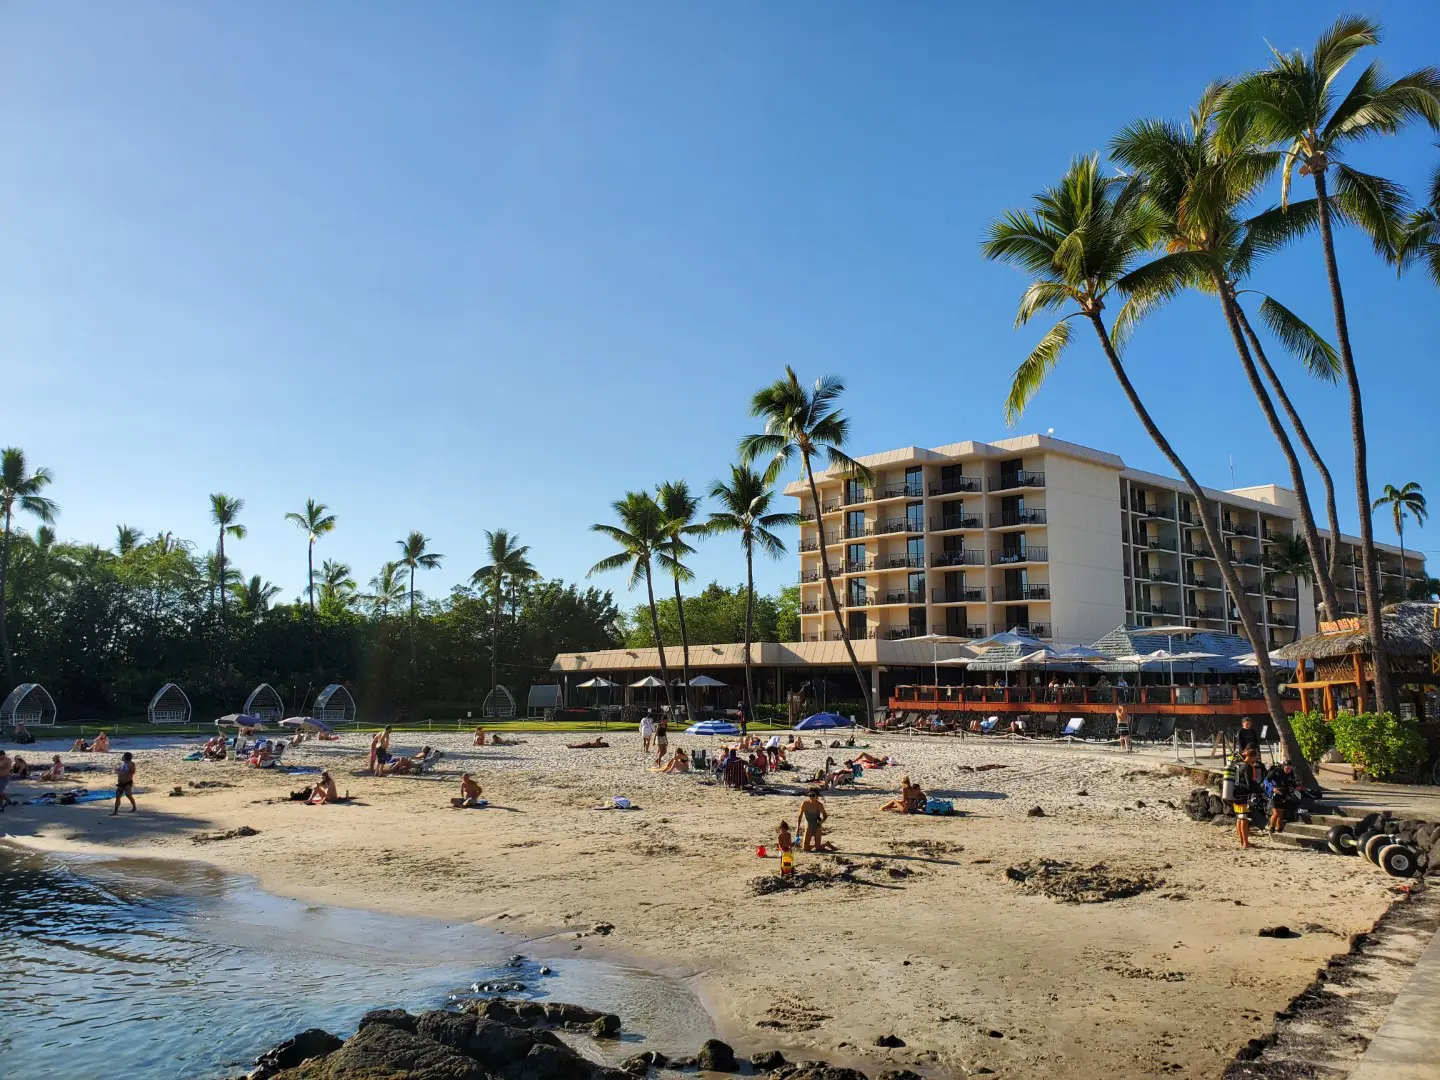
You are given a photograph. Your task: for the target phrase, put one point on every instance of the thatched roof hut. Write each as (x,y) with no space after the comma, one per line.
(1410,634)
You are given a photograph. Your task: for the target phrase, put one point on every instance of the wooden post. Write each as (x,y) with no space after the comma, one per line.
(1304,702)
(1359,681)
(1329,703)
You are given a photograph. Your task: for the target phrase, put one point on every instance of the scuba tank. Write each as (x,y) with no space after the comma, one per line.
(1227,786)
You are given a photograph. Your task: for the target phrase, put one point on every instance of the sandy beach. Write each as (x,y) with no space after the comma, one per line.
(913,928)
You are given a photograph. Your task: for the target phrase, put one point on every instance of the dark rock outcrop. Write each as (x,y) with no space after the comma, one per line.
(716,1056)
(393,1017)
(766,1060)
(384,1050)
(816,1070)
(311,1043)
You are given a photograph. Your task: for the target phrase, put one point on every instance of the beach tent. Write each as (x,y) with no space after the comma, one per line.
(822,720)
(264,702)
(499,704)
(334,705)
(29,704)
(169,706)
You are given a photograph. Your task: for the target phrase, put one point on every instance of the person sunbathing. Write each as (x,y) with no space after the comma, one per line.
(56,771)
(596,743)
(214,749)
(101,745)
(499,740)
(324,791)
(479,737)
(469,794)
(19,768)
(869,759)
(911,799)
(797,743)
(679,762)
(261,757)
(406,766)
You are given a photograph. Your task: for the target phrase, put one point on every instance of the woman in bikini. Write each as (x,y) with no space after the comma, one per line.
(812,816)
(679,762)
(324,791)
(910,801)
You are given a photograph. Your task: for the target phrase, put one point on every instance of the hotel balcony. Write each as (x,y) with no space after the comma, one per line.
(971,557)
(1196,551)
(1163,577)
(957,485)
(958,631)
(1039,629)
(1240,528)
(1018,594)
(900,491)
(1198,581)
(1004,519)
(898,561)
(1007,557)
(900,596)
(813,575)
(957,596)
(955,522)
(810,543)
(1025,478)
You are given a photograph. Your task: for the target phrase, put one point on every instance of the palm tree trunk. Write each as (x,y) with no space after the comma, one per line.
(659,645)
(834,599)
(4,580)
(1378,652)
(684,650)
(1400,532)
(749,621)
(412,616)
(1230,306)
(495,637)
(220,586)
(1268,683)
(314,649)
(1332,517)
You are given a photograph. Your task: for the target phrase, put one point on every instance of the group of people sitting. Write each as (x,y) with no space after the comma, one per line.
(911,801)
(265,754)
(495,740)
(21,769)
(101,745)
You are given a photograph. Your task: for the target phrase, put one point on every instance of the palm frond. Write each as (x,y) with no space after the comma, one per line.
(1032,372)
(1377,206)
(1302,340)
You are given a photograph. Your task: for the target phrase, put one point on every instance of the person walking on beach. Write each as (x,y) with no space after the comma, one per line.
(1122,725)
(812,816)
(125,782)
(647,732)
(379,751)
(662,738)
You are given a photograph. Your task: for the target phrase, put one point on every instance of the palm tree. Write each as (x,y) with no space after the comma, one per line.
(127,539)
(680,508)
(20,489)
(745,509)
(509,564)
(216,580)
(387,589)
(807,423)
(225,513)
(641,536)
(337,587)
(1080,239)
(316,520)
(253,597)
(1200,189)
(1408,499)
(1293,105)
(1420,240)
(413,554)
(1288,554)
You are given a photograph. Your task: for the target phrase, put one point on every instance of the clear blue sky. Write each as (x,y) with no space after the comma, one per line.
(452,267)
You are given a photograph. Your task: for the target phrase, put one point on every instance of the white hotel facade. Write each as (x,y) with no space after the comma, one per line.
(974,538)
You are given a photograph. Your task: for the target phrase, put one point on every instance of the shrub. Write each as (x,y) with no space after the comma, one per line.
(1387,747)
(1313,733)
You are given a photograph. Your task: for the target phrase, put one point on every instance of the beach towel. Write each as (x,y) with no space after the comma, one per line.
(196,756)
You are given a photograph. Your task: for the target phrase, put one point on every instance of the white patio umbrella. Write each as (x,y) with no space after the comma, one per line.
(649,682)
(597,683)
(936,640)
(1250,660)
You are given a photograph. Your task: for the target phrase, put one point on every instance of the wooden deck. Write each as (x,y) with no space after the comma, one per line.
(1071,701)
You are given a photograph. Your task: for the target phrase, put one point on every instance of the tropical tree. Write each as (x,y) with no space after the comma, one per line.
(509,564)
(127,539)
(642,538)
(218,580)
(1289,555)
(20,490)
(1420,239)
(337,587)
(1200,189)
(680,508)
(225,514)
(253,597)
(1078,241)
(387,590)
(806,423)
(415,555)
(316,521)
(745,510)
(1409,499)
(1294,105)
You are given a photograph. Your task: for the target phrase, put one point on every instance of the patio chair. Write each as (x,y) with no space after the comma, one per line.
(1048,726)
(1142,728)
(987,727)
(1164,729)
(1072,731)
(699,761)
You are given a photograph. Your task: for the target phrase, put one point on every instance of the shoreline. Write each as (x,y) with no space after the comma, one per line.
(911,929)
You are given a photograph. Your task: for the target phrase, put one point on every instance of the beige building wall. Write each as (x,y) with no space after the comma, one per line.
(1086,559)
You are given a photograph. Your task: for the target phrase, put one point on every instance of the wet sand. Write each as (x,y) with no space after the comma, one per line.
(913,928)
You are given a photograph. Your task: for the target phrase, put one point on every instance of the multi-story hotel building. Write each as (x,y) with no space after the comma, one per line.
(974,538)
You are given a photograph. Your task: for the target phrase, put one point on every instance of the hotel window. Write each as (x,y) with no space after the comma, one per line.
(854,491)
(917,583)
(915,482)
(855,557)
(855,523)
(915,517)
(915,550)
(856,592)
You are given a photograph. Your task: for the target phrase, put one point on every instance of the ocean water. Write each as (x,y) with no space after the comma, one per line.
(146,968)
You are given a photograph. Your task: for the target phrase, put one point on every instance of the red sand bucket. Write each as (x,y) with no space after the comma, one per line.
(760,852)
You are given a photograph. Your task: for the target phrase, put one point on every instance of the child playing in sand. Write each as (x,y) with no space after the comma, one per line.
(469,794)
(785,841)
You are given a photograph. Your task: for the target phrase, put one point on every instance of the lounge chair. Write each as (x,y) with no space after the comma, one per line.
(1164,729)
(1072,731)
(987,727)
(1140,730)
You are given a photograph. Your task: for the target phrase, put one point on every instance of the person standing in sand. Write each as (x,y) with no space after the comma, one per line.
(380,751)
(1122,725)
(812,817)
(647,732)
(662,739)
(125,782)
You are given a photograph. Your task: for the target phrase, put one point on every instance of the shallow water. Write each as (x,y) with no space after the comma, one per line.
(153,968)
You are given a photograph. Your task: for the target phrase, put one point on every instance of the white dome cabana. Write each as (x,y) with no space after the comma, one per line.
(499,704)
(29,703)
(334,705)
(265,703)
(169,706)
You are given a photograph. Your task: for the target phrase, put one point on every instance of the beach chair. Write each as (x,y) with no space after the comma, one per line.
(429,761)
(1048,726)
(698,761)
(1141,729)
(1073,729)
(1164,729)
(987,726)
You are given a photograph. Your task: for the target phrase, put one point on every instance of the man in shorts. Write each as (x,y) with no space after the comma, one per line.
(1249,786)
(125,782)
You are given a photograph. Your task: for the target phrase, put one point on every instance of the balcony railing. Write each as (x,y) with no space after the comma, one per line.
(1022,479)
(1165,577)
(1197,551)
(811,543)
(854,498)
(1019,593)
(972,557)
(859,566)
(1006,557)
(1155,607)
(807,576)
(831,506)
(1197,582)
(957,596)
(900,633)
(903,491)
(1282,593)
(898,562)
(1040,629)
(958,631)
(1280,620)
(955,521)
(1239,528)
(956,485)
(1203,613)
(1001,518)
(1160,543)
(808,515)
(1191,520)
(901,596)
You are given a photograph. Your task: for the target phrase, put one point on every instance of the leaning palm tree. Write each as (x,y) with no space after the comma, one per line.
(387,590)
(641,538)
(745,510)
(680,508)
(415,556)
(806,422)
(225,514)
(1078,241)
(316,520)
(20,489)
(127,539)
(509,564)
(1420,239)
(1201,189)
(1294,105)
(1409,499)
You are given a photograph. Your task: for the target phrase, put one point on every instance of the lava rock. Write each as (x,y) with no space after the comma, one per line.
(716,1056)
(767,1060)
(311,1043)
(1276,932)
(380,1049)
(499,988)
(490,1042)
(1082,793)
(1217,805)
(683,1063)
(899,1074)
(602,928)
(1139,804)
(816,1070)
(606,1026)
(1035,811)
(890,1041)
(393,1017)
(640,1064)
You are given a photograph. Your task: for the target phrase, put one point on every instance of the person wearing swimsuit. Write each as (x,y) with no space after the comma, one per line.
(125,783)
(812,814)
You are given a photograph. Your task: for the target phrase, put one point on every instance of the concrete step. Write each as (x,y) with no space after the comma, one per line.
(1291,838)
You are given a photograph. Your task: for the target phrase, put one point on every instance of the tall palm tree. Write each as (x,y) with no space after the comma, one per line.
(253,597)
(20,490)
(316,520)
(1078,241)
(1420,240)
(387,589)
(641,537)
(806,422)
(1288,555)
(1200,189)
(509,564)
(216,580)
(127,539)
(225,514)
(415,556)
(1409,499)
(680,508)
(1293,105)
(337,587)
(745,509)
